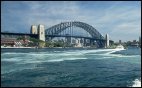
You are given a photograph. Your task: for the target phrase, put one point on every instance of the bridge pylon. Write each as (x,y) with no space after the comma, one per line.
(41,32)
(33,29)
(38,30)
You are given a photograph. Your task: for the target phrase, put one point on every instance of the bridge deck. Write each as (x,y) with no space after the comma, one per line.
(20,34)
(36,36)
(74,37)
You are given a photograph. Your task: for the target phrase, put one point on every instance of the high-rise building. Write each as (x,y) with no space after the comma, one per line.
(119,41)
(33,29)
(41,32)
(139,41)
(134,41)
(107,40)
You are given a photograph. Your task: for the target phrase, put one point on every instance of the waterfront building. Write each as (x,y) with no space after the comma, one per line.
(13,42)
(134,41)
(77,43)
(7,41)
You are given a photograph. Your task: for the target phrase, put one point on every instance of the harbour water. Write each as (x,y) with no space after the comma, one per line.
(70,67)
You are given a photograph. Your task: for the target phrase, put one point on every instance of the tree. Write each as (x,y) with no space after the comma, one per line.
(49,44)
(20,38)
(37,42)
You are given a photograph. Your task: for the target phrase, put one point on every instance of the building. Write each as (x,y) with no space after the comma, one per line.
(13,42)
(134,41)
(120,42)
(8,41)
(77,43)
(139,40)
(107,41)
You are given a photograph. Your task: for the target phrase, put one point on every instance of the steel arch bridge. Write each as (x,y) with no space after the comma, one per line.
(55,31)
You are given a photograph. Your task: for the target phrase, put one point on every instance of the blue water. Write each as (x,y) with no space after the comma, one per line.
(70,67)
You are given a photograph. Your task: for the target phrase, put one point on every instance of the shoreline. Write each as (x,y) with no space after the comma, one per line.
(16,47)
(2,47)
(46,47)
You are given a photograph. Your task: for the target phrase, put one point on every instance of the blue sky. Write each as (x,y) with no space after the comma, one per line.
(120,19)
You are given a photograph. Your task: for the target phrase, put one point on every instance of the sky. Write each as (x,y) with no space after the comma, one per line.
(120,19)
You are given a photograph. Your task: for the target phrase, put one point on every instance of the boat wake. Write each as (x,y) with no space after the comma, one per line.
(136,83)
(38,57)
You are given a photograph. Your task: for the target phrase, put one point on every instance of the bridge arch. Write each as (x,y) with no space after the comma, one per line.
(56,29)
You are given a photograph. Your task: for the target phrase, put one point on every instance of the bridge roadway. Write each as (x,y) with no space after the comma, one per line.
(19,34)
(103,40)
(73,36)
(36,36)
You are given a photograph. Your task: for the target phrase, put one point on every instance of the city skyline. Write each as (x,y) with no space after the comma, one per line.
(119,19)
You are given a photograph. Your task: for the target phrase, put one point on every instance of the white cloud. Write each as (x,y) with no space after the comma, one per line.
(114,19)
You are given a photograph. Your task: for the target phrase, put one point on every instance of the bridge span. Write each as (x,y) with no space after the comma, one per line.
(66,30)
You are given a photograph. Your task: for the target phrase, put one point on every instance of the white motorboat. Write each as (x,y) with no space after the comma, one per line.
(120,47)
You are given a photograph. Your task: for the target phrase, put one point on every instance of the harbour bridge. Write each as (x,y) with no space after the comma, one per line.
(85,33)
(68,30)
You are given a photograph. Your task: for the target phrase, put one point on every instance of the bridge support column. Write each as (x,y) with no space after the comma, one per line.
(91,42)
(84,42)
(68,41)
(81,41)
(95,44)
(98,44)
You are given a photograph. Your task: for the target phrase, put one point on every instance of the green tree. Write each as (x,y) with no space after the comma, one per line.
(20,38)
(37,42)
(49,44)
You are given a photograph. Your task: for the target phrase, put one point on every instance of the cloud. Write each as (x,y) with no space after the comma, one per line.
(121,22)
(115,18)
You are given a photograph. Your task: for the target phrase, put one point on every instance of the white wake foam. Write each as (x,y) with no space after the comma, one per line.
(38,57)
(56,60)
(114,50)
(11,59)
(137,83)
